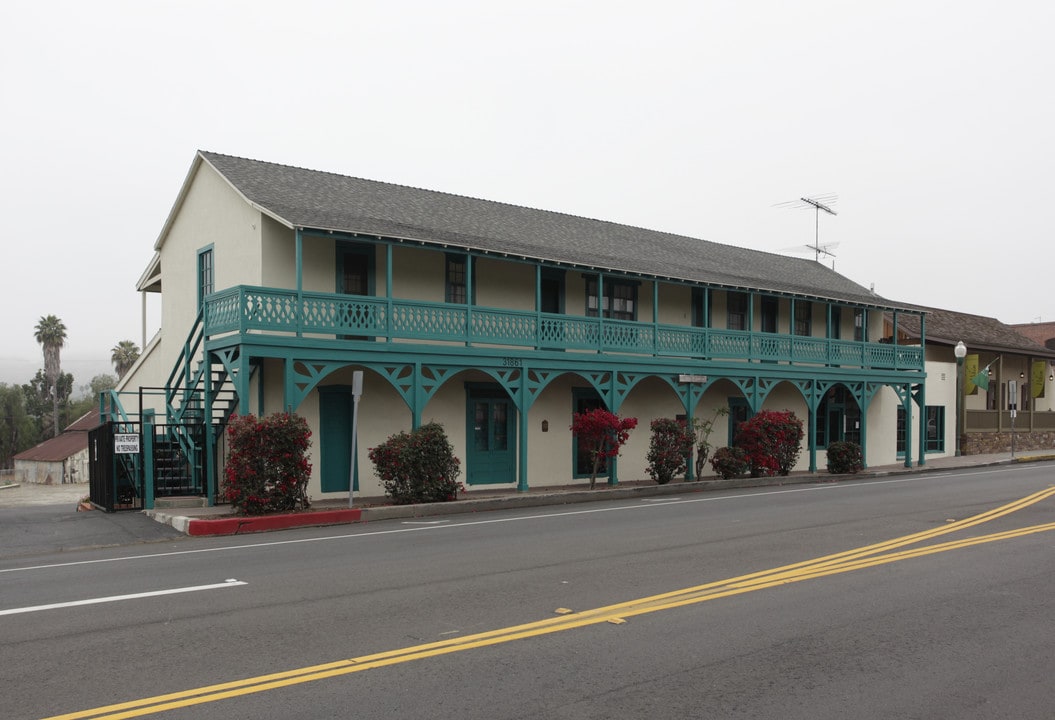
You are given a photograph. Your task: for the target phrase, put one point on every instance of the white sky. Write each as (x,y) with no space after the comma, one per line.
(932,121)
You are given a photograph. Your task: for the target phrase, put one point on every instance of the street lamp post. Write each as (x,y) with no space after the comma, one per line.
(960,351)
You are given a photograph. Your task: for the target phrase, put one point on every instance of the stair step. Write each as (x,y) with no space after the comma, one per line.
(184,501)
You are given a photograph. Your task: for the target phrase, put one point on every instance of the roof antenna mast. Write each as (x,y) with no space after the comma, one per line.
(818,203)
(817,207)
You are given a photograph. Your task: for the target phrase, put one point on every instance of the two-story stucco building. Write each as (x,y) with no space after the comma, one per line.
(278,283)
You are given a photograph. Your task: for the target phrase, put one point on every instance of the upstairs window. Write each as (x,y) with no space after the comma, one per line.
(860,325)
(803,318)
(206,278)
(457,280)
(736,311)
(619,301)
(769,307)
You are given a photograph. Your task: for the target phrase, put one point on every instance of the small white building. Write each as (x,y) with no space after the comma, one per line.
(60,460)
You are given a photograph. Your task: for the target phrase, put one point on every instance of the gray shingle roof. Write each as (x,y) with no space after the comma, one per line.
(976,331)
(327,201)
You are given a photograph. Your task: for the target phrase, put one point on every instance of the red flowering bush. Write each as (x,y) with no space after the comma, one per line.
(418,467)
(601,434)
(669,449)
(771,442)
(267,468)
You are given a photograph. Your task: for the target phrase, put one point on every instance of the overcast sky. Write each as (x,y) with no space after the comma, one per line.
(931,121)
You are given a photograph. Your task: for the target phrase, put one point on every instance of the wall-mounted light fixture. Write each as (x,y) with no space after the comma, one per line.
(545,426)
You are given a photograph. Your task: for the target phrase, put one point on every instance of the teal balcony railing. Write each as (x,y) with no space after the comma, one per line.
(245,309)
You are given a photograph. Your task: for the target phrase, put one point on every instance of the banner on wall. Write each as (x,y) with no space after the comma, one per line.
(970,370)
(1036,376)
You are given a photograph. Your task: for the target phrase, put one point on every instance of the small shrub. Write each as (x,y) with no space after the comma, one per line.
(669,449)
(418,467)
(267,468)
(771,440)
(729,462)
(845,458)
(601,434)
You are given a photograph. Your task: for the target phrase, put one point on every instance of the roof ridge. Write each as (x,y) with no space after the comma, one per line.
(503,203)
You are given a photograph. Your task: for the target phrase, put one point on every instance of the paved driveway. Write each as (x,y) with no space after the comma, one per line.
(40,519)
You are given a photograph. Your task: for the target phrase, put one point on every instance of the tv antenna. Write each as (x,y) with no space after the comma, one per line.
(818,203)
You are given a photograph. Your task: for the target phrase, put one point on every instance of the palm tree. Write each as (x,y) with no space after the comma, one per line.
(124,355)
(51,334)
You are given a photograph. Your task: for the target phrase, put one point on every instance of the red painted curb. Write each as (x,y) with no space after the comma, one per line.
(239,525)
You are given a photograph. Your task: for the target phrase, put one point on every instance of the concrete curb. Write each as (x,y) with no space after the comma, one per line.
(239,525)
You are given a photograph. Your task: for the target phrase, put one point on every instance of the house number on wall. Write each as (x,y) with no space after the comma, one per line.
(512,362)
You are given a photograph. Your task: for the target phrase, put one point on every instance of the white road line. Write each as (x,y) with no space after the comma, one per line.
(117,598)
(746,495)
(424,522)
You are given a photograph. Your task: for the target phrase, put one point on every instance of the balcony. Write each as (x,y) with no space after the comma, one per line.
(245,309)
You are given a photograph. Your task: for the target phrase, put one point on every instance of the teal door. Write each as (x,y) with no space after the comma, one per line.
(491,444)
(335,438)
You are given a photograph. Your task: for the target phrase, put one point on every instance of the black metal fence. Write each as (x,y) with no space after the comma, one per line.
(121,463)
(115,472)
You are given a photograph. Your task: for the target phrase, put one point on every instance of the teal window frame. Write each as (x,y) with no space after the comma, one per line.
(617,292)
(769,308)
(736,305)
(860,325)
(206,273)
(803,320)
(701,307)
(456,269)
(935,423)
(739,411)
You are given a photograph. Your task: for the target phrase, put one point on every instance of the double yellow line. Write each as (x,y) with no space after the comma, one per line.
(864,557)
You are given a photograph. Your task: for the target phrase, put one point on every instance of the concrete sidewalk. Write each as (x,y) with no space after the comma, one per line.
(219,520)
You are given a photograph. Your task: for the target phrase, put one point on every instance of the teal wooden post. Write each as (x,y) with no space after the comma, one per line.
(522,446)
(468,299)
(812,404)
(299,237)
(906,403)
(147,429)
(866,400)
(921,402)
(209,433)
(388,292)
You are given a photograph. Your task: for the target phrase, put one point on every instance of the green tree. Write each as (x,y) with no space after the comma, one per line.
(50,332)
(124,355)
(40,401)
(18,432)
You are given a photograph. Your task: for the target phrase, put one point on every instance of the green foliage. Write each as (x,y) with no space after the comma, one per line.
(18,431)
(601,434)
(729,462)
(771,441)
(670,446)
(845,458)
(124,355)
(267,468)
(40,403)
(418,467)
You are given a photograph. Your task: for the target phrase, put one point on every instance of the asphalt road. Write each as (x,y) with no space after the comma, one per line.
(676,611)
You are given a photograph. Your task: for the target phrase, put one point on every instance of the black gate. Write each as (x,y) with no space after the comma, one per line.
(115,479)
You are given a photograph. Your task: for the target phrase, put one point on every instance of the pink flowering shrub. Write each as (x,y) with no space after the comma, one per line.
(601,434)
(267,468)
(418,467)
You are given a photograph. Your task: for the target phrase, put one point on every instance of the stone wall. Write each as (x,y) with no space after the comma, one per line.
(985,443)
